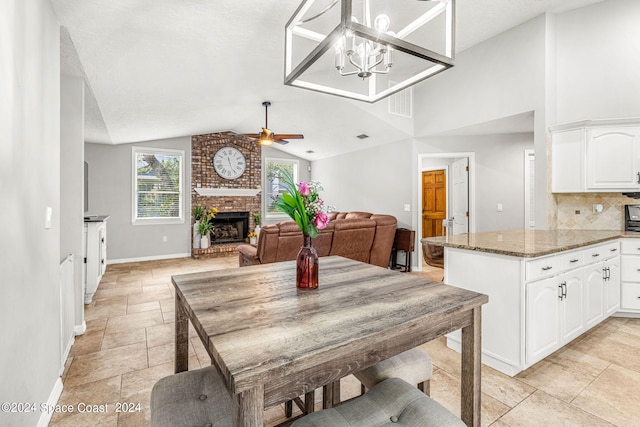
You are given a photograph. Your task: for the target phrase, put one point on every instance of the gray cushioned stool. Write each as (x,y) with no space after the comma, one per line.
(391,403)
(192,398)
(414,366)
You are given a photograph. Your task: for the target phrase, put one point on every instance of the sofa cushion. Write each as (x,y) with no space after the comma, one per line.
(391,403)
(352,238)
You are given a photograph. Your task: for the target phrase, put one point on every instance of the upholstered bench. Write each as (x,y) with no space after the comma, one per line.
(192,398)
(391,403)
(414,366)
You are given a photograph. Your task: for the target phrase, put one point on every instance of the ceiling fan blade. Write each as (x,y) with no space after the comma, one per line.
(280,136)
(252,135)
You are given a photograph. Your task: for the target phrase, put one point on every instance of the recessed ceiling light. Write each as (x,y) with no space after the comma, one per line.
(309,151)
(362,136)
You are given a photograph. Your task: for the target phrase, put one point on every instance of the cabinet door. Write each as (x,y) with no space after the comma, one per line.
(593,298)
(542,318)
(612,286)
(567,161)
(612,158)
(572,312)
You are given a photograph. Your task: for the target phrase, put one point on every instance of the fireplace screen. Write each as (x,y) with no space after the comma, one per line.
(230,227)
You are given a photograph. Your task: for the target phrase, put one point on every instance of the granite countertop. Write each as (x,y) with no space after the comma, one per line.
(528,243)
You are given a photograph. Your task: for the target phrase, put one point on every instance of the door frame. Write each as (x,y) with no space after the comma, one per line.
(417,218)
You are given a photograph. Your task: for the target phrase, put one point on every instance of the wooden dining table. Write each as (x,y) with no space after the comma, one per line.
(272,342)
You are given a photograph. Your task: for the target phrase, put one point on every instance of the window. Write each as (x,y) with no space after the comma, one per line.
(272,183)
(157,186)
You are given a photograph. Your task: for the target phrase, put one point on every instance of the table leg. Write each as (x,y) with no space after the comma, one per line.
(331,395)
(471,370)
(182,338)
(248,408)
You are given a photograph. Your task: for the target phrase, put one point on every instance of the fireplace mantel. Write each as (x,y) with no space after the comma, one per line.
(241,192)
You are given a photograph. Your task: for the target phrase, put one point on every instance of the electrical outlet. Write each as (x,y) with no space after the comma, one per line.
(407,207)
(164,239)
(499,207)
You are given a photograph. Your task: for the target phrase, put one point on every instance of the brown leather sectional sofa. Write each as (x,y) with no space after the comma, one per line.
(361,236)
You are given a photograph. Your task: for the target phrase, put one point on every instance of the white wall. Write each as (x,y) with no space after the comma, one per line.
(504,76)
(598,50)
(499,174)
(376,180)
(29,183)
(72,182)
(110,193)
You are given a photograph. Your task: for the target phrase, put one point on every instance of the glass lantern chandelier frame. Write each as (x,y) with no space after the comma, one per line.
(294,75)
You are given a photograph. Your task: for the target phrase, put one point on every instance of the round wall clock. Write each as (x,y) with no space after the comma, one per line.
(229,163)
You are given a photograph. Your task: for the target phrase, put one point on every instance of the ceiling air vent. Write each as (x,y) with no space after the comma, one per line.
(401,103)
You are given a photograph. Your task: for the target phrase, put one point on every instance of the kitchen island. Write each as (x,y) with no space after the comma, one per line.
(545,287)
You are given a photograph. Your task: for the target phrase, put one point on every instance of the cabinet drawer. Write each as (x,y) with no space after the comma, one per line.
(630,296)
(570,260)
(630,268)
(630,246)
(600,252)
(542,267)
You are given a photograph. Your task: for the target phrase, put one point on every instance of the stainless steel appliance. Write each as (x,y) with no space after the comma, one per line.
(632,217)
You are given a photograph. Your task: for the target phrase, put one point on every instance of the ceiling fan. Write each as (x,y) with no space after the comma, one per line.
(267,137)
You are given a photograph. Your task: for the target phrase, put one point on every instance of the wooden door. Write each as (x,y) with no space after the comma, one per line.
(434,202)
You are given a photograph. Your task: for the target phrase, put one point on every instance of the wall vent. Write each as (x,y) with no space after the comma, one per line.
(401,103)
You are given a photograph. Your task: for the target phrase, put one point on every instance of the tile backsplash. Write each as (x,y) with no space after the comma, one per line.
(575,210)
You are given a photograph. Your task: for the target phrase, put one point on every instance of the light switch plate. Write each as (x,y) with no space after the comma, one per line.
(47,218)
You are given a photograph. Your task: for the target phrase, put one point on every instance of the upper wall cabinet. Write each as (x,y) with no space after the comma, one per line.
(596,156)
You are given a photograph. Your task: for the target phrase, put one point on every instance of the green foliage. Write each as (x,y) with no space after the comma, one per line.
(198,212)
(205,227)
(257,218)
(291,203)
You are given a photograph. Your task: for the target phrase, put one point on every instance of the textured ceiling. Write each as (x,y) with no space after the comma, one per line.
(165,68)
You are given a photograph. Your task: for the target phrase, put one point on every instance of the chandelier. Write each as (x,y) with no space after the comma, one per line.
(367,49)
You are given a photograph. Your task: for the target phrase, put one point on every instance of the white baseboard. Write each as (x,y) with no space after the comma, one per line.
(45,416)
(148,258)
(80,329)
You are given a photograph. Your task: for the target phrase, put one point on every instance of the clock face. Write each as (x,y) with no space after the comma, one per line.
(229,163)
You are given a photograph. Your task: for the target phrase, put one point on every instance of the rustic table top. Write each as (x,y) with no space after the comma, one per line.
(261,331)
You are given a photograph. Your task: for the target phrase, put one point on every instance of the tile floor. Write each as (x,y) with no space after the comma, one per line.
(128,346)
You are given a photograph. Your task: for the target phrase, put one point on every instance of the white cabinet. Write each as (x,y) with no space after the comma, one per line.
(630,277)
(567,161)
(537,305)
(596,156)
(613,160)
(95,256)
(554,314)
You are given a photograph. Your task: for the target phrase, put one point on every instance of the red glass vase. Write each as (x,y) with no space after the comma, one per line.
(307,266)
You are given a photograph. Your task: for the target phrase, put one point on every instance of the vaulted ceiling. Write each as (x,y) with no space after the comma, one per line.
(165,68)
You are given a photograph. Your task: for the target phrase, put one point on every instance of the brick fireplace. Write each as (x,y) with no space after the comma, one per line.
(236,199)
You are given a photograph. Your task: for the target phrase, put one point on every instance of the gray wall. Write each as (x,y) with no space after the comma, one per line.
(29,183)
(376,180)
(72,183)
(110,190)
(499,174)
(110,193)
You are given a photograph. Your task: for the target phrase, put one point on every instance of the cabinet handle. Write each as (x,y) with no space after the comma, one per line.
(562,293)
(564,289)
(574,260)
(638,177)
(613,250)
(595,255)
(547,268)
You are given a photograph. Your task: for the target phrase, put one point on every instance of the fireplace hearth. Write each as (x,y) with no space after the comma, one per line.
(230,227)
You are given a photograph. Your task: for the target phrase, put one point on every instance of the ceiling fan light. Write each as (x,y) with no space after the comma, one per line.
(266,137)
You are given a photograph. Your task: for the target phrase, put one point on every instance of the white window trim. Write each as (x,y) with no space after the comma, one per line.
(280,215)
(134,188)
